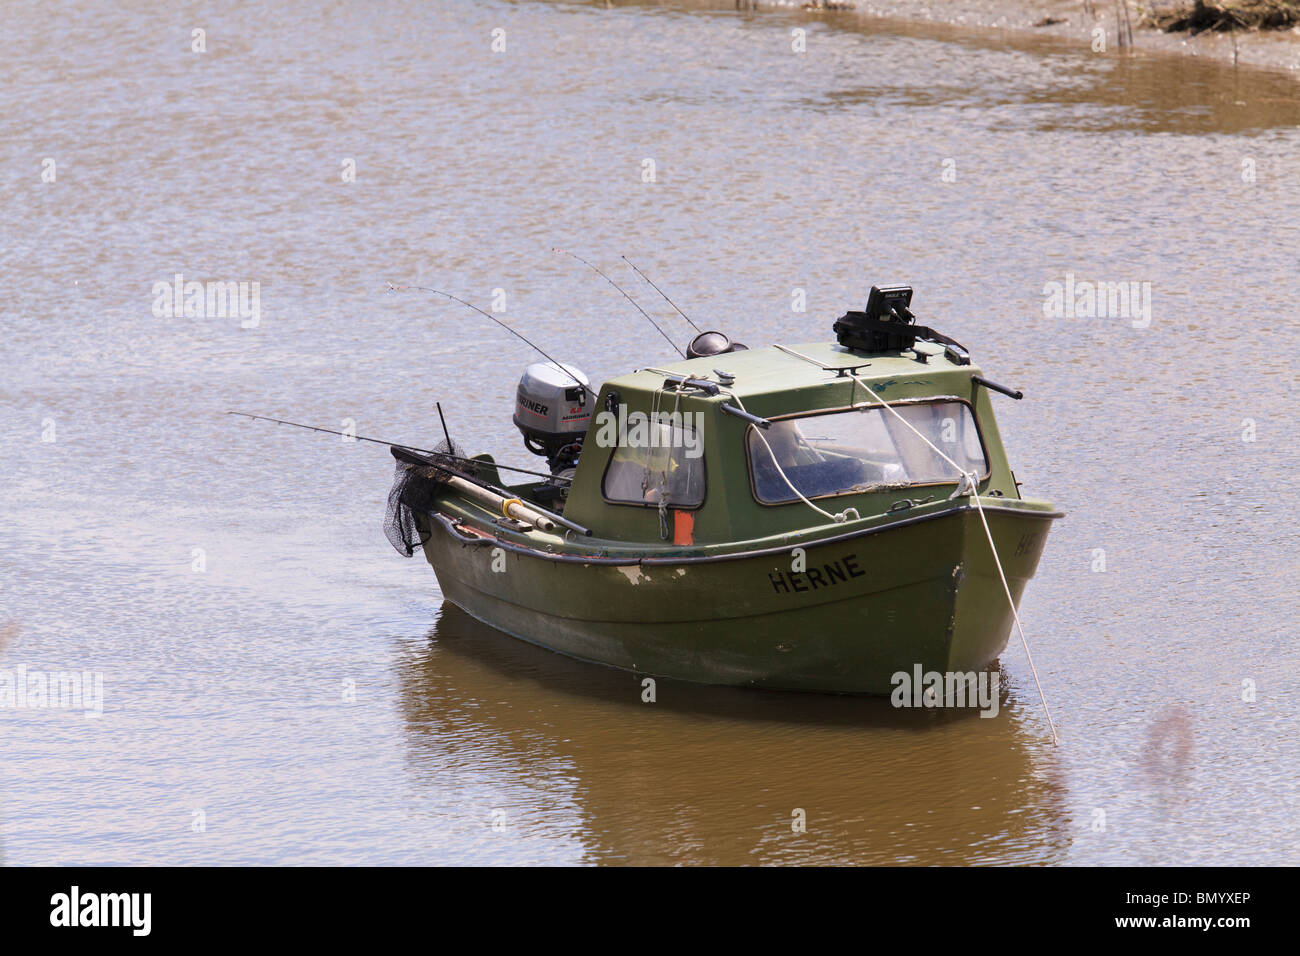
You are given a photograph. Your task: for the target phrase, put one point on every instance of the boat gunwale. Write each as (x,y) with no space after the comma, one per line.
(452,527)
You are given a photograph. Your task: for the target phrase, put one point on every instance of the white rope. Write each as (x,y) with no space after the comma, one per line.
(839,518)
(807,358)
(969,479)
(1023,642)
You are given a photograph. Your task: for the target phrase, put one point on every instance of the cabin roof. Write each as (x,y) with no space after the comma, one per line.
(767,370)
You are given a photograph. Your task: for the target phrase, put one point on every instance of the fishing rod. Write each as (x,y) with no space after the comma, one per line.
(489,315)
(394,444)
(664,294)
(443,418)
(626,296)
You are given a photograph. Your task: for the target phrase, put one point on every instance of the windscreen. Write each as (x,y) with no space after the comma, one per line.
(862,450)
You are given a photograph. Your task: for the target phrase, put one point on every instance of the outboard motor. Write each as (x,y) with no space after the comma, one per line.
(553,410)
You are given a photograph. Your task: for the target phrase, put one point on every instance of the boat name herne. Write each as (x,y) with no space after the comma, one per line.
(802,581)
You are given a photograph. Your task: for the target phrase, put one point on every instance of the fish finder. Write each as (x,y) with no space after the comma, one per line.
(890,302)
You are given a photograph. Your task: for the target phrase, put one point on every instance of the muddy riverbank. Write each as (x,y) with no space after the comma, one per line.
(1100,27)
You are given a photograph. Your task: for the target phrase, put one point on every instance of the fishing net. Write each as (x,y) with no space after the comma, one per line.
(417,483)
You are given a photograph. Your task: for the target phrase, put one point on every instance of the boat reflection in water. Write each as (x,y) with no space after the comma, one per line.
(706,775)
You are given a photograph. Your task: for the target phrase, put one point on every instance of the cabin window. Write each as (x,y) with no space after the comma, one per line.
(657,460)
(862,450)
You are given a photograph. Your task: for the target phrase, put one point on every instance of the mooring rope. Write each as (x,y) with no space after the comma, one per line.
(969,480)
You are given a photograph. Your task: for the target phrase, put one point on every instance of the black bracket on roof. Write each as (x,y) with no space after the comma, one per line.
(844,371)
(681,381)
(753,419)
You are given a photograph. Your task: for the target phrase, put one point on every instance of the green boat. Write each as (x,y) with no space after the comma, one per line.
(813,517)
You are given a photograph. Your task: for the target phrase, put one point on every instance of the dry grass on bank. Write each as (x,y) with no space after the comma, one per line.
(1200,16)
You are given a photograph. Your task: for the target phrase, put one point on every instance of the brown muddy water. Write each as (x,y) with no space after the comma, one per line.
(279,686)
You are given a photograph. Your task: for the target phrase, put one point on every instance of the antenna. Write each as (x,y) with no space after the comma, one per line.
(626,296)
(488,315)
(662,293)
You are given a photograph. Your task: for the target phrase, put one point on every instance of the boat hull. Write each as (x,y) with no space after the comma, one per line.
(842,617)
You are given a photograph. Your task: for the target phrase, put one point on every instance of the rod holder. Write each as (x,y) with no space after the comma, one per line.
(1010,392)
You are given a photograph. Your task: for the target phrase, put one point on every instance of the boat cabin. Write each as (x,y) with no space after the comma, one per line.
(667,458)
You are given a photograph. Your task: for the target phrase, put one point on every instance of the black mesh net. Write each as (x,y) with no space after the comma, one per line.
(417,482)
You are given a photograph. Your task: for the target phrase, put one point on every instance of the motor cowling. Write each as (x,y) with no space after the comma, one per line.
(553,406)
